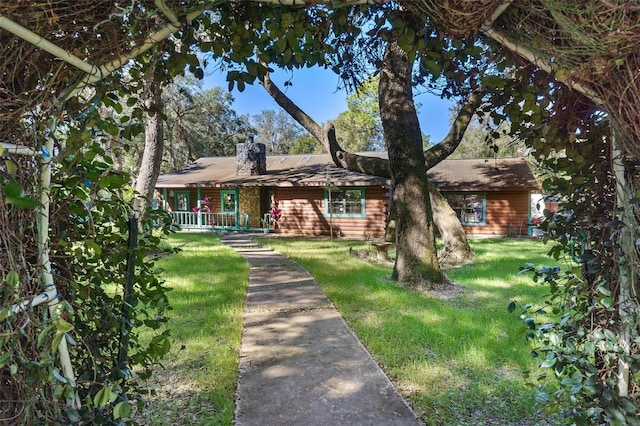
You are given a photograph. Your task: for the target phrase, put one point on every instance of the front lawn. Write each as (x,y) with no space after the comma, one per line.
(209,283)
(458,359)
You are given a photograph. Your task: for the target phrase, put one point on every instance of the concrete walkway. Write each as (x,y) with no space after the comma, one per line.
(300,364)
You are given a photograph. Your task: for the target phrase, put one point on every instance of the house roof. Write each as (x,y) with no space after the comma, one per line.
(499,174)
(312,170)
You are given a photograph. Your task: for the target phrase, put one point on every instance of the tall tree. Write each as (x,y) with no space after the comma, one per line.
(215,127)
(201,123)
(456,244)
(153,146)
(276,130)
(415,237)
(360,128)
(180,108)
(306,144)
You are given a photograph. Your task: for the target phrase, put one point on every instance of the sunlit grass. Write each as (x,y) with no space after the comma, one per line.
(460,360)
(209,283)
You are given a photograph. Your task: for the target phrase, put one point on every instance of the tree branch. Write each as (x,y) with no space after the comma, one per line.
(446,146)
(540,62)
(373,166)
(292,109)
(327,136)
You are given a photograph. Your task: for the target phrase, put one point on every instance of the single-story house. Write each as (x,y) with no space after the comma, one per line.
(312,196)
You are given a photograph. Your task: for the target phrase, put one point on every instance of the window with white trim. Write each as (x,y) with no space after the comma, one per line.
(471,208)
(228,200)
(182,201)
(345,202)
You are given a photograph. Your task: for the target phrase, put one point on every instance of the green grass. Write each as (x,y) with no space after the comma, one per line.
(209,283)
(458,360)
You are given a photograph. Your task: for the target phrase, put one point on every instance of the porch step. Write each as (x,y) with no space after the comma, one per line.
(248,245)
(240,241)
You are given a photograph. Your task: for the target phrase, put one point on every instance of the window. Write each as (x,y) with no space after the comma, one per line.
(182,201)
(228,200)
(344,202)
(471,208)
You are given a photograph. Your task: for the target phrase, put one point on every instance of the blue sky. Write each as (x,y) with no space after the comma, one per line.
(315,91)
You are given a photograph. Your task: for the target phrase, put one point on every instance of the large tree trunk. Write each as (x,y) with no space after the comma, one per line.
(416,257)
(153,145)
(456,250)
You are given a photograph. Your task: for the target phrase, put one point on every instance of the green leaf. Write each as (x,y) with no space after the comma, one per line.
(4,313)
(493,81)
(554,339)
(628,406)
(280,45)
(549,362)
(15,195)
(12,168)
(112,129)
(122,410)
(12,190)
(607,302)
(13,279)
(56,341)
(13,369)
(610,335)
(589,348)
(4,358)
(62,326)
(102,397)
(23,202)
(73,416)
(287,56)
(615,412)
(42,336)
(93,248)
(252,68)
(542,397)
(432,66)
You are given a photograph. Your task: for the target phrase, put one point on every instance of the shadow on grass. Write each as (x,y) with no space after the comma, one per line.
(460,360)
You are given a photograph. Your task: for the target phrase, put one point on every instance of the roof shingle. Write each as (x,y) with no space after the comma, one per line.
(313,170)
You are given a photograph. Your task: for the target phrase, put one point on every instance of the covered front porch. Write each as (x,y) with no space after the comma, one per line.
(218,222)
(209,209)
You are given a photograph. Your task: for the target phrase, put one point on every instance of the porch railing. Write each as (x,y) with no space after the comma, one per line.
(211,220)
